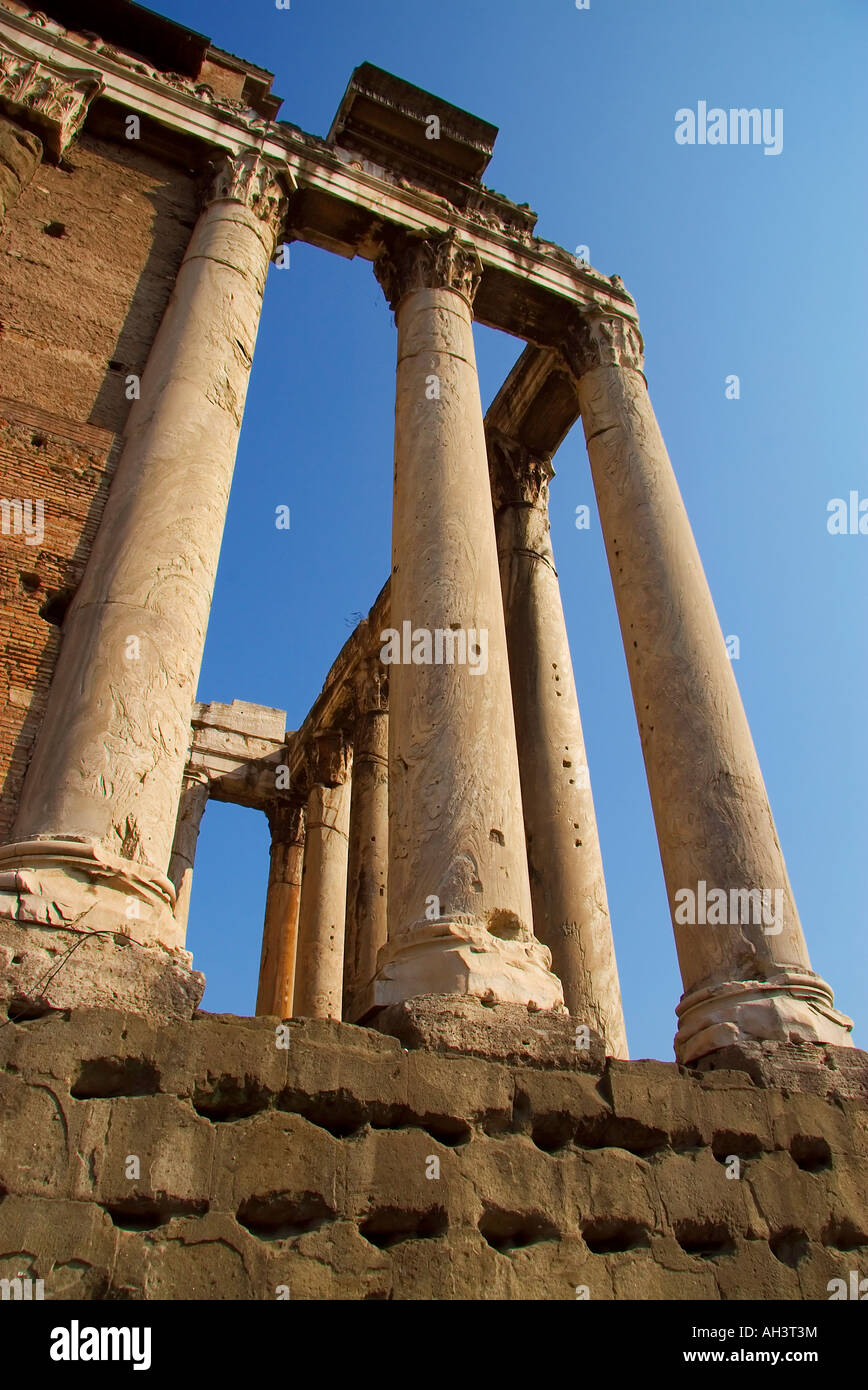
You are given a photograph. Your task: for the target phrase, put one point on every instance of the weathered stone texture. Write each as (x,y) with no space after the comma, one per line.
(308,1167)
(88,257)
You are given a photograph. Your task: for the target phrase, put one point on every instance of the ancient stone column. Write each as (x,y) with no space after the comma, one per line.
(282,905)
(745,965)
(368,865)
(459,898)
(320,959)
(99,804)
(568,889)
(191,808)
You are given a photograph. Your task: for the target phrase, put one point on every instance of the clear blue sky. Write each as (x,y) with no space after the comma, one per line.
(740,263)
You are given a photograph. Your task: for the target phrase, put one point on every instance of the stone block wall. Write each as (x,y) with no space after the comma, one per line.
(346,1167)
(88,257)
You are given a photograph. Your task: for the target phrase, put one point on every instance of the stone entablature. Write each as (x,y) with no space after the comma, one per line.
(343,204)
(238,749)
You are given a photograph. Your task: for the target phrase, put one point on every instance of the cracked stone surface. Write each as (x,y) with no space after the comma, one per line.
(202,1160)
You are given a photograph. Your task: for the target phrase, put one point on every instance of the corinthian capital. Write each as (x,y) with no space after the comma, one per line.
(518,476)
(249,179)
(601,341)
(428,263)
(50,100)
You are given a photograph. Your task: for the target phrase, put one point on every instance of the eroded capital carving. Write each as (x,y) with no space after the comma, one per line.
(286,821)
(519,477)
(249,179)
(601,341)
(428,263)
(371,687)
(328,759)
(53,101)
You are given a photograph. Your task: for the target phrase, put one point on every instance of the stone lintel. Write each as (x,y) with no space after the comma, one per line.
(389,121)
(536,405)
(238,749)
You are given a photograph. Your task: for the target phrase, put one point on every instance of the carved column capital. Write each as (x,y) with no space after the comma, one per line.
(49,100)
(518,476)
(371,687)
(286,820)
(411,263)
(249,179)
(328,759)
(601,341)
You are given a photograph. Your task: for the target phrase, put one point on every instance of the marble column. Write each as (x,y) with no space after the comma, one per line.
(459,909)
(282,906)
(568,889)
(191,808)
(368,869)
(320,959)
(99,803)
(746,971)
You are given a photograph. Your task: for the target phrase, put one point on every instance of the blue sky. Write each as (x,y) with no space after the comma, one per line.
(740,263)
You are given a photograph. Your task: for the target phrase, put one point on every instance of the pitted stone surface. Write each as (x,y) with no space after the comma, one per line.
(311,1168)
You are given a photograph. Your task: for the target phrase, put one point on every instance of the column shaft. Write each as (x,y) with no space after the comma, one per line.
(368,872)
(191,808)
(459,897)
(322,921)
(282,907)
(570,906)
(742,978)
(109,761)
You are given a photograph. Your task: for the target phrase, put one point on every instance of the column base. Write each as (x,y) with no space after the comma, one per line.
(460,956)
(55,894)
(508,1033)
(792,1007)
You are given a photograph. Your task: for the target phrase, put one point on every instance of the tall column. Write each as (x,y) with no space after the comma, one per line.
(459,897)
(746,975)
(99,804)
(568,889)
(191,808)
(282,905)
(320,960)
(368,868)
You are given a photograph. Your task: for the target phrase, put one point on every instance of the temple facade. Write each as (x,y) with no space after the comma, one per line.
(436,886)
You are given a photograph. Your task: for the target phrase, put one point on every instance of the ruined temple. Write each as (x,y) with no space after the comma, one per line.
(434,1098)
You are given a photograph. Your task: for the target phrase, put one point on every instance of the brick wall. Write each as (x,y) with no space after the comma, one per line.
(88,257)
